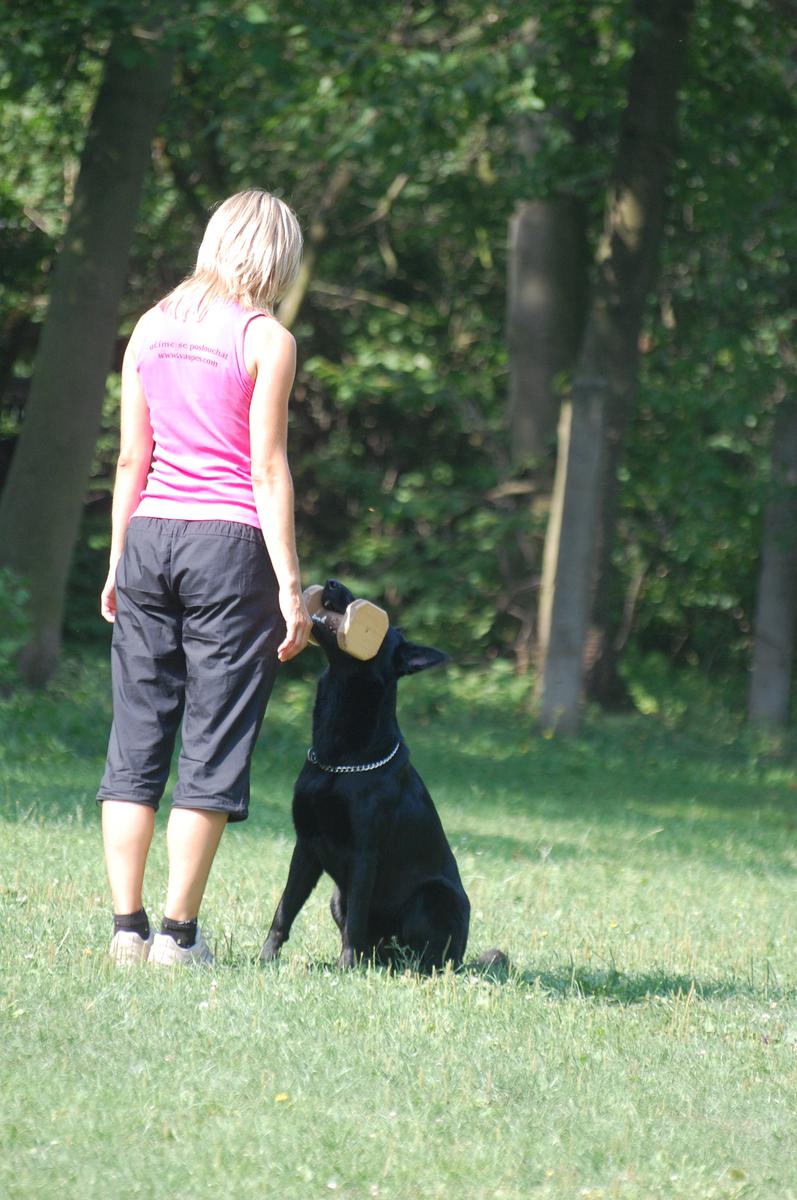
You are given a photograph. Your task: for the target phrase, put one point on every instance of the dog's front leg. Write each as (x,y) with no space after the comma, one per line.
(358,908)
(303,874)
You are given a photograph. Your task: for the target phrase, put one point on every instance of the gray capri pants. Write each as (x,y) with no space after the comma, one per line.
(195,640)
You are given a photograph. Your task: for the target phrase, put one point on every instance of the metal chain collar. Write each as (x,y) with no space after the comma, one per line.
(311,757)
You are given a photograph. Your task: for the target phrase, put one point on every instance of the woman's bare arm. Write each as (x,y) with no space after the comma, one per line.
(135,455)
(270,353)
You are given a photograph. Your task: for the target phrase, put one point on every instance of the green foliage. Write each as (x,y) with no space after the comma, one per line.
(717,362)
(398,436)
(404,454)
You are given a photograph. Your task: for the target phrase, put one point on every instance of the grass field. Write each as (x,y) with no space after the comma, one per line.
(644,1044)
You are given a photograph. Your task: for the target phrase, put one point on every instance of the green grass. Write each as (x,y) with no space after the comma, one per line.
(644,1043)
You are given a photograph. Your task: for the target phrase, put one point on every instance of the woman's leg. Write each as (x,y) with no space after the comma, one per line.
(192,838)
(148,677)
(229,633)
(126,833)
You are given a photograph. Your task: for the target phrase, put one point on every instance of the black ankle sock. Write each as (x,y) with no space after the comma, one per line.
(183,932)
(136,922)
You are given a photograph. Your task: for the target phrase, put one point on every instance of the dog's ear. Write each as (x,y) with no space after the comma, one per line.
(410,658)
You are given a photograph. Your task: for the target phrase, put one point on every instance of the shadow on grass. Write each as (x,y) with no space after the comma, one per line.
(566,982)
(619,987)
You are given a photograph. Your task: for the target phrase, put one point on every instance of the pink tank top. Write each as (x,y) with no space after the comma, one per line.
(198,392)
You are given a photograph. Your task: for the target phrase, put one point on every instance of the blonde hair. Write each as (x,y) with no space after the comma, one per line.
(250,253)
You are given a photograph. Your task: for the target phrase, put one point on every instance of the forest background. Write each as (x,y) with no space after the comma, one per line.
(454,168)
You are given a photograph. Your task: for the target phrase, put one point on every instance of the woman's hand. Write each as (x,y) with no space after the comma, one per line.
(108,596)
(297,623)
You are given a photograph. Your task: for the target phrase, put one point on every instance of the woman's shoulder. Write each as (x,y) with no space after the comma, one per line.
(268,342)
(141,327)
(153,315)
(269,335)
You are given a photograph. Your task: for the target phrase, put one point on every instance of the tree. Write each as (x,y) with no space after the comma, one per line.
(696,470)
(605,376)
(393,132)
(41,503)
(547,283)
(776,607)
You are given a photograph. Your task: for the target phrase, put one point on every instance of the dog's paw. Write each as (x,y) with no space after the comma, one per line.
(270,951)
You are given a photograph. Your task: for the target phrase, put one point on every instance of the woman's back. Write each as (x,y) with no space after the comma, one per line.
(198,393)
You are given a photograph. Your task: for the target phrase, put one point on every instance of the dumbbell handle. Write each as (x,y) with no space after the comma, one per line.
(360,631)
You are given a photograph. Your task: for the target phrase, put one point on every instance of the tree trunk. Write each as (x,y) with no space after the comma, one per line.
(563,612)
(776,604)
(602,680)
(546,301)
(42,501)
(316,236)
(605,378)
(547,288)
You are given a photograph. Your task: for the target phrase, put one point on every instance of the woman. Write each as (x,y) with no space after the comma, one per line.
(203,586)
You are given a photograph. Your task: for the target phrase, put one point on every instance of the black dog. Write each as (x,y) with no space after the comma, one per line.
(363,815)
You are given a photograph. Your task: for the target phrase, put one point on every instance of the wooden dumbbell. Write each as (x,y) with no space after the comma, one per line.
(360,630)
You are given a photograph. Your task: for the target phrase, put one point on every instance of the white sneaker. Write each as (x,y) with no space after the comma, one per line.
(166,953)
(128,948)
